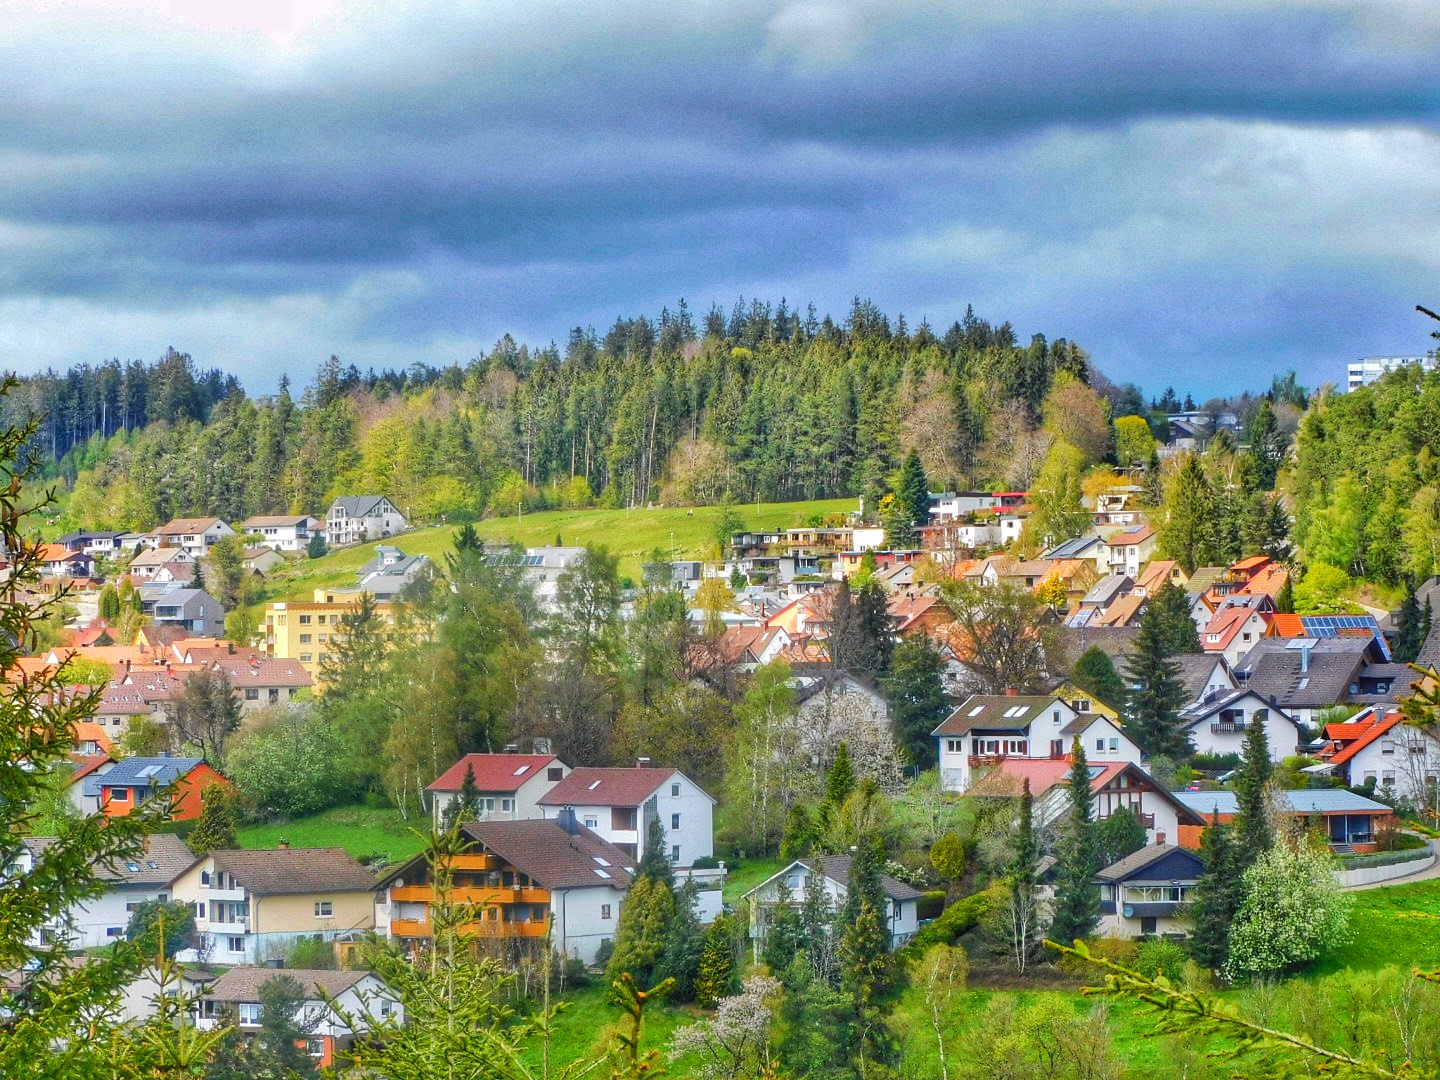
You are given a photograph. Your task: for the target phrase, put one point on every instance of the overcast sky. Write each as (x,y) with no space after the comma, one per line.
(1200,193)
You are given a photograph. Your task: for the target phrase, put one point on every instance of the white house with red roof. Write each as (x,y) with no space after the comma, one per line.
(1111,786)
(1129,550)
(1377,745)
(1235,628)
(617,804)
(510,785)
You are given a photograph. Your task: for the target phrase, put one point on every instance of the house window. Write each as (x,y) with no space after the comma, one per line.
(304,620)
(119,794)
(555,773)
(305,657)
(250,1012)
(324,909)
(674,790)
(954,746)
(507,805)
(1100,746)
(1055,716)
(674,853)
(200,909)
(1387,747)
(1082,705)
(252,693)
(591,821)
(236,944)
(114,931)
(605,911)
(1114,746)
(674,821)
(306,639)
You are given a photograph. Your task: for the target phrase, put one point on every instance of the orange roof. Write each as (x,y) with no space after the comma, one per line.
(1226,624)
(57,553)
(1121,611)
(1287,625)
(1373,729)
(89,731)
(1008,777)
(1254,562)
(1267,581)
(85,764)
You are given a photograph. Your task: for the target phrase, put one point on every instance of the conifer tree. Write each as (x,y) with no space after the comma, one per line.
(715,978)
(641,932)
(465,806)
(1187,517)
(786,934)
(1156,694)
(1121,834)
(917,697)
(1095,674)
(655,860)
(215,827)
(1215,899)
(1408,627)
(1253,832)
(1169,609)
(1077,894)
(1021,919)
(1285,598)
(839,778)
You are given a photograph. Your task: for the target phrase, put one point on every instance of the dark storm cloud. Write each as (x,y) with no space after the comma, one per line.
(438,174)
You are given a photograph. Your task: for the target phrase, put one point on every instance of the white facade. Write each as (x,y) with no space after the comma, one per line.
(1221,727)
(194,537)
(1401,760)
(962,755)
(1104,743)
(1368,369)
(867,538)
(584,919)
(901,919)
(686,814)
(281,534)
(1251,630)
(518,805)
(354,520)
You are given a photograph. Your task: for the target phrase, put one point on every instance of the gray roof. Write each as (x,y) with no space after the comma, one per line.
(244,983)
(542,849)
(1072,549)
(1138,860)
(1195,669)
(1274,670)
(357,505)
(837,869)
(274,871)
(164,859)
(1202,710)
(1107,589)
(155,772)
(1302,801)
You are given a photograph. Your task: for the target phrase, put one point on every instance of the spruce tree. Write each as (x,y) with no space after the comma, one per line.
(1253,833)
(715,978)
(1169,609)
(1285,598)
(1076,910)
(785,935)
(1121,834)
(655,860)
(642,931)
(1187,519)
(1022,924)
(1156,695)
(839,778)
(1215,899)
(917,697)
(1095,674)
(1408,627)
(215,827)
(279,1046)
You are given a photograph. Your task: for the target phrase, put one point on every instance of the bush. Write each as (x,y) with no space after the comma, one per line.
(1161,956)
(1120,951)
(959,918)
(1215,763)
(706,862)
(287,765)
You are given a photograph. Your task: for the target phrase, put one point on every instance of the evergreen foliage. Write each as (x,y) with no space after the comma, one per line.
(215,827)
(1186,526)
(716,976)
(1120,834)
(785,937)
(917,698)
(655,859)
(1254,833)
(1076,911)
(840,778)
(1095,674)
(161,928)
(1169,610)
(1156,695)
(464,806)
(642,930)
(1409,631)
(1216,897)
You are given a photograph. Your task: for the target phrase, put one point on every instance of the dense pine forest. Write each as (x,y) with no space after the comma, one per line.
(765,404)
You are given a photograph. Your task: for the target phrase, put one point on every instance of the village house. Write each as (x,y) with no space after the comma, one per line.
(528,880)
(1145,893)
(1217,724)
(509,785)
(195,536)
(618,804)
(97,545)
(1375,748)
(1130,549)
(1306,676)
(832,874)
(387,574)
(128,882)
(260,559)
(1112,785)
(58,561)
(251,906)
(258,681)
(193,610)
(334,1000)
(280,532)
(989,728)
(1235,628)
(354,519)
(134,781)
(147,564)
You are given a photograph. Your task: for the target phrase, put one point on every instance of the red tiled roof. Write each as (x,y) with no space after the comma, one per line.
(1254,562)
(494,772)
(1368,732)
(1009,776)
(1287,625)
(606,787)
(1226,623)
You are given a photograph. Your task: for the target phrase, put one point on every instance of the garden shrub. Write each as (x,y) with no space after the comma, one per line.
(1161,956)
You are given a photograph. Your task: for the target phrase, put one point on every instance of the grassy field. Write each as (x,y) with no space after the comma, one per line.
(1394,926)
(585,1029)
(633,534)
(360,830)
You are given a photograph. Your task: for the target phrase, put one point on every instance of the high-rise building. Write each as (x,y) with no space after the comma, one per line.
(1369,368)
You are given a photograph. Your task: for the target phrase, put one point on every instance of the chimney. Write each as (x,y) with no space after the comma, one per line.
(230,647)
(1010,691)
(567,820)
(1304,661)
(642,763)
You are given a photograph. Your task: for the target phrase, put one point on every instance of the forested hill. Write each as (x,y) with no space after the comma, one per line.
(1366,478)
(766,404)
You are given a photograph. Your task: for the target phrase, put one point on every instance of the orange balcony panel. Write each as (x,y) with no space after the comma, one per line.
(410,928)
(474,862)
(420,893)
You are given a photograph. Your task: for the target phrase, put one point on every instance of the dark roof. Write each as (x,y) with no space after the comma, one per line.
(837,869)
(1108,589)
(1072,549)
(544,851)
(357,505)
(133,772)
(243,983)
(606,787)
(273,871)
(494,772)
(1155,862)
(1274,670)
(994,712)
(1195,669)
(164,859)
(1429,655)
(1202,710)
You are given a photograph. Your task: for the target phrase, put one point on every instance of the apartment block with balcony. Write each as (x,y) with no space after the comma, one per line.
(524,881)
(1217,724)
(307,630)
(250,905)
(989,728)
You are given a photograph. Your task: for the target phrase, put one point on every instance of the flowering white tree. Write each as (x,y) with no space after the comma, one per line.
(735,1042)
(1293,910)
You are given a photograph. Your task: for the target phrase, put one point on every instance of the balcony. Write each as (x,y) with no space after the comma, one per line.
(484,928)
(1229,727)
(460,894)
(235,926)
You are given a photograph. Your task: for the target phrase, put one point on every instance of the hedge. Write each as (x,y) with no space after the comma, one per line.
(1382,858)
(959,918)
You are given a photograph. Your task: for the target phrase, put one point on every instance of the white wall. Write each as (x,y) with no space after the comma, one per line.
(580,921)
(91,922)
(902,919)
(1282,733)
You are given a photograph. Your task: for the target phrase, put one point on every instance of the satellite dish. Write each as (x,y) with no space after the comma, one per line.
(399,883)
(1129,911)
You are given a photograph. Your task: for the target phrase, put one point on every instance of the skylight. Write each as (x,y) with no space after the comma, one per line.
(521,771)
(977,710)
(601,873)
(598,859)
(1016,710)
(593,785)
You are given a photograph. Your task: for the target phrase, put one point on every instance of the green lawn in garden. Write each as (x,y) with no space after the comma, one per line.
(361,830)
(585,1029)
